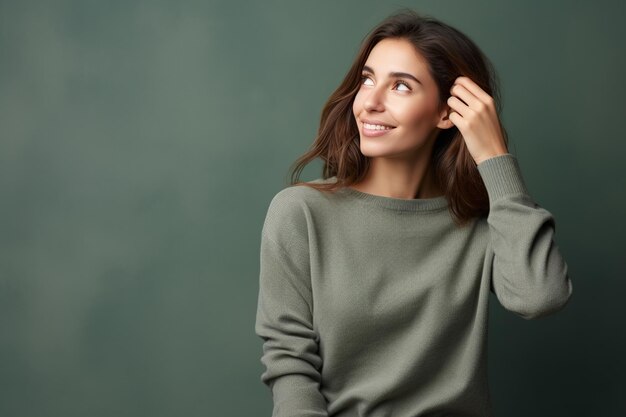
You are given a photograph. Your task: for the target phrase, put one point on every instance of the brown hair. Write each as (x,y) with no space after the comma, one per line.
(449,54)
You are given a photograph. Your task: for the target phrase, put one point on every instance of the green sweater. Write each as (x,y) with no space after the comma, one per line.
(374,306)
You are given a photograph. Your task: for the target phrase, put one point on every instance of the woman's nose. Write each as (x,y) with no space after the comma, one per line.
(374,100)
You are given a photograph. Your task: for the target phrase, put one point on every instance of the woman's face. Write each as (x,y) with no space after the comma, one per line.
(407,106)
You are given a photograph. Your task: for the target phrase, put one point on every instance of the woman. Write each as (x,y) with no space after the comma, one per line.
(375,278)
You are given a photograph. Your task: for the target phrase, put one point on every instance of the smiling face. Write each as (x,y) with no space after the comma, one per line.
(397,91)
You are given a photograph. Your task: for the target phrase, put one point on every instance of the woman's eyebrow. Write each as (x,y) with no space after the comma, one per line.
(394,74)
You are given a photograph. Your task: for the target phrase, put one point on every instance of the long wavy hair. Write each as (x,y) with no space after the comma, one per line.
(449,54)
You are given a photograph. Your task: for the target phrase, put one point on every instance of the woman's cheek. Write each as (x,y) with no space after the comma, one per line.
(416,112)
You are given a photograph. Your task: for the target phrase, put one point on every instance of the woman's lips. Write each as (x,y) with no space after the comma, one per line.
(375,132)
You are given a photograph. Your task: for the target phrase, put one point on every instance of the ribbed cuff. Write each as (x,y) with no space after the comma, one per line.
(298,395)
(502,176)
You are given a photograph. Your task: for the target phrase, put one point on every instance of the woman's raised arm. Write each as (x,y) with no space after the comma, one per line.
(529,275)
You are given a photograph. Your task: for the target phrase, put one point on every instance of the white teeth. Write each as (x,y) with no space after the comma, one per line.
(376,127)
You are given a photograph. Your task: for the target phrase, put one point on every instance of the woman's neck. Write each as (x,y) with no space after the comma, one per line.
(389,178)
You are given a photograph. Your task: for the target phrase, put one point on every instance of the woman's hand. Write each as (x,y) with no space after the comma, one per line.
(477,120)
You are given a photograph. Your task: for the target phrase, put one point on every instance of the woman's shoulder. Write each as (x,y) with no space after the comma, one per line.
(300,195)
(295,205)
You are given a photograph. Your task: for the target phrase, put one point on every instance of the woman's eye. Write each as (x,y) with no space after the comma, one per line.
(404,85)
(399,83)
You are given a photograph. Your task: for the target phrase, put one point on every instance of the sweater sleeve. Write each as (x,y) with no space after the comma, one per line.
(285,315)
(528,274)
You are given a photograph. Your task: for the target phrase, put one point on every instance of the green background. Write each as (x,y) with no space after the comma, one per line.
(142,141)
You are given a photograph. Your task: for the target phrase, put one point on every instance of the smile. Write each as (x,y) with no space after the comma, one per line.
(376,127)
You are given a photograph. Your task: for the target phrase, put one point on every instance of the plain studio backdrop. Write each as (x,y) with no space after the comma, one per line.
(141,143)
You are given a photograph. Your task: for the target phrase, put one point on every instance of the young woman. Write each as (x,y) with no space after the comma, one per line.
(375,278)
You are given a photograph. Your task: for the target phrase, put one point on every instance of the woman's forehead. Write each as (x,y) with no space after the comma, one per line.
(391,55)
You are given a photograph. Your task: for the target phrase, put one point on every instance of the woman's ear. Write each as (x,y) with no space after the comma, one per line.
(444,120)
